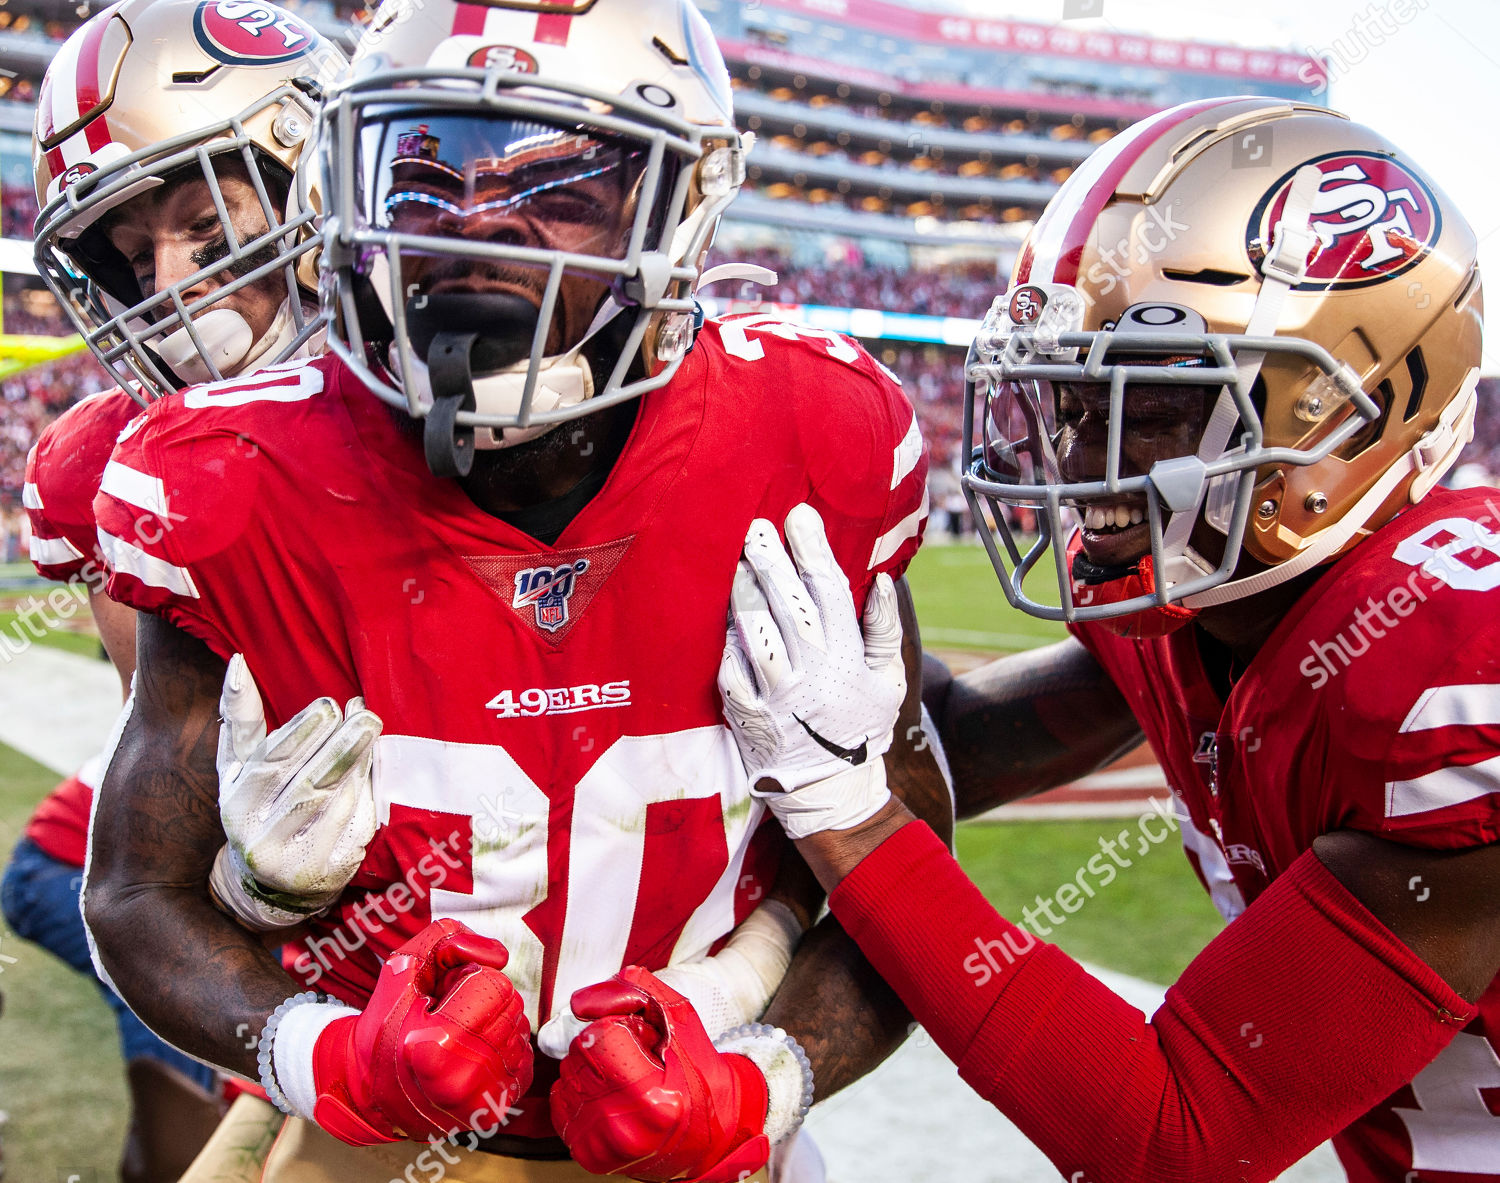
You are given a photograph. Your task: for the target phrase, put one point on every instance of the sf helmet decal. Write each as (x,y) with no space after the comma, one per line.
(504,57)
(1026,304)
(1374,218)
(75,174)
(250,33)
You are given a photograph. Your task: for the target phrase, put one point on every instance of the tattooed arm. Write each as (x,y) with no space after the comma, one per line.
(1027,723)
(832,1001)
(193,975)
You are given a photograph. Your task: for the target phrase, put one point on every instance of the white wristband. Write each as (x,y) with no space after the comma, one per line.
(287,1051)
(788,1073)
(838,802)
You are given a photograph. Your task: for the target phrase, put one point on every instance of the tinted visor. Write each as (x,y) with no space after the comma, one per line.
(491,178)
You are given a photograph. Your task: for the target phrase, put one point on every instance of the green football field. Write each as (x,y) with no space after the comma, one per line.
(960,604)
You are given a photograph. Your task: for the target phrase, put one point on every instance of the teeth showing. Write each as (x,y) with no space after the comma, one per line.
(1112,517)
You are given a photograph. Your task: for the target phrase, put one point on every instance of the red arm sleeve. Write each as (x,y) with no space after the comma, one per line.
(1300,1016)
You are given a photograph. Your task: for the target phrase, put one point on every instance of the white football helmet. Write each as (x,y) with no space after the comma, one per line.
(520,196)
(151,94)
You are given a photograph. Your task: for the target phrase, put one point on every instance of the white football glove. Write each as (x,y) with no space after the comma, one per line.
(728,990)
(811,699)
(298,805)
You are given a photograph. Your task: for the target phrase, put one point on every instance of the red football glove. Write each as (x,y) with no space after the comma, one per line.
(645,1093)
(442,1045)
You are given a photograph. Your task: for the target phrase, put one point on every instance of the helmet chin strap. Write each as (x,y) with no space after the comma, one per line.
(229,342)
(563,380)
(1284,267)
(1429,459)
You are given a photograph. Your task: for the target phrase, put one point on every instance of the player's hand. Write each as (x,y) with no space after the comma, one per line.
(644,1092)
(443,1045)
(727,990)
(811,698)
(298,805)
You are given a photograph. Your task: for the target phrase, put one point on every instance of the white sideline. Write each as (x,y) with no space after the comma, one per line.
(56,707)
(910,1121)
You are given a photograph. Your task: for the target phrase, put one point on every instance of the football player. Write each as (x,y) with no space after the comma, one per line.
(1249,420)
(125,109)
(488,512)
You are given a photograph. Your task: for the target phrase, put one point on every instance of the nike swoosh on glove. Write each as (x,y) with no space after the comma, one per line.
(810,695)
(443,1045)
(643,1091)
(297,806)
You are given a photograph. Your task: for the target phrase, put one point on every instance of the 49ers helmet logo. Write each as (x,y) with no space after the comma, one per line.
(503,57)
(75,174)
(250,33)
(1026,304)
(1373,217)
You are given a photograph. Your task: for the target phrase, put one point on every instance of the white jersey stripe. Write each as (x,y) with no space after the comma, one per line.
(31,496)
(1446,786)
(899,534)
(53,552)
(1455,706)
(131,560)
(134,488)
(908,453)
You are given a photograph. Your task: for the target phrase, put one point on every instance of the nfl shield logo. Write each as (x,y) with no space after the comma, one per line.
(546,590)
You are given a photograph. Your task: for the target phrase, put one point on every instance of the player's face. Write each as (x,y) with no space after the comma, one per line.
(1161,423)
(168,234)
(515,185)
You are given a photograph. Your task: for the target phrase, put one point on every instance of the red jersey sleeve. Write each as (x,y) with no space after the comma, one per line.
(63,472)
(180,497)
(1247,1065)
(869,472)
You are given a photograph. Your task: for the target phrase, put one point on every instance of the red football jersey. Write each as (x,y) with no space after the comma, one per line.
(554,770)
(1374,706)
(63,471)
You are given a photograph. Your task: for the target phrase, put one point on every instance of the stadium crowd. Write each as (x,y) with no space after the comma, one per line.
(931,375)
(964,289)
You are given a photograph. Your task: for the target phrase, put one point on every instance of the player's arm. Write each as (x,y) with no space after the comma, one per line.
(1012,728)
(832,1001)
(443,1028)
(1248,1064)
(116,625)
(197,978)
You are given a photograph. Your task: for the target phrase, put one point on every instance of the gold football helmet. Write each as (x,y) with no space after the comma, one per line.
(153,94)
(521,194)
(1296,270)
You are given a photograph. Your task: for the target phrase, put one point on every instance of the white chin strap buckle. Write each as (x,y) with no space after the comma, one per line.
(226,337)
